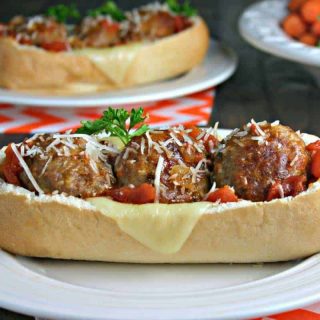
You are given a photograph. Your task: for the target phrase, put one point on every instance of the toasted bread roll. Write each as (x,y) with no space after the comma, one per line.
(65,227)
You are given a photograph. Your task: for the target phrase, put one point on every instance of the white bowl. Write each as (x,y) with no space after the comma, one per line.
(260,26)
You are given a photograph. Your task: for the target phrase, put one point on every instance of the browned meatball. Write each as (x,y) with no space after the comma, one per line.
(97,32)
(254,158)
(184,175)
(154,24)
(67,165)
(158,25)
(39,30)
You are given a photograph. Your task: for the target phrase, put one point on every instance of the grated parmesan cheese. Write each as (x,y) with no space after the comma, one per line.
(203,132)
(88,139)
(231,134)
(150,141)
(211,146)
(45,166)
(294,160)
(157,178)
(142,146)
(208,133)
(212,189)
(166,150)
(26,169)
(260,131)
(281,192)
(175,138)
(260,139)
(187,139)
(94,166)
(241,134)
(157,148)
(215,129)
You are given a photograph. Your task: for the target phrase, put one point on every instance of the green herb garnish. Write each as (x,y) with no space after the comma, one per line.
(62,12)
(108,8)
(184,9)
(114,121)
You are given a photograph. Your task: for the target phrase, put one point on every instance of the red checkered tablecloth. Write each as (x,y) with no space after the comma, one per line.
(192,109)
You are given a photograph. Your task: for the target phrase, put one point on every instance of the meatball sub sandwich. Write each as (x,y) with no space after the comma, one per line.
(116,190)
(106,49)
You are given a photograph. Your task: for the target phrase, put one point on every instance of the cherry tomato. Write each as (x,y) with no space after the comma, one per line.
(315,164)
(145,193)
(206,140)
(290,186)
(224,194)
(55,46)
(179,23)
(11,167)
(112,27)
(315,146)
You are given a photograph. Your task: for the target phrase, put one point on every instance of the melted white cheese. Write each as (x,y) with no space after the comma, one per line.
(161,227)
(113,62)
(165,227)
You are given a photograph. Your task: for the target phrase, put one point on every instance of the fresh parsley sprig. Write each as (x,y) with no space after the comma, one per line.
(184,9)
(62,12)
(114,121)
(108,8)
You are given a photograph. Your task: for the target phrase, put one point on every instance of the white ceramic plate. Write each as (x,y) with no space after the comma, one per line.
(260,26)
(89,290)
(58,289)
(219,64)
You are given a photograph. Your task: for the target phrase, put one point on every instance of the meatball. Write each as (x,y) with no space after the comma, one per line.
(253,159)
(184,174)
(157,25)
(97,32)
(150,24)
(38,30)
(67,165)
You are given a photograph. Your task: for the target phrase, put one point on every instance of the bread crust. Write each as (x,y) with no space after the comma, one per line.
(69,228)
(28,68)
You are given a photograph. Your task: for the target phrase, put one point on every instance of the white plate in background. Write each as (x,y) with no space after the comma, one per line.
(260,26)
(219,64)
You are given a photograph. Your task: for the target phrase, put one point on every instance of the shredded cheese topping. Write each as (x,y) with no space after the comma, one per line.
(294,160)
(26,169)
(89,139)
(176,140)
(45,166)
(157,177)
(275,123)
(260,131)
(281,192)
(212,189)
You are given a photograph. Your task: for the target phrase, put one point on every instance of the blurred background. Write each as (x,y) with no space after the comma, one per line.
(263,87)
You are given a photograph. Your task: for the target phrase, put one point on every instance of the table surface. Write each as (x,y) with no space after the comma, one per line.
(263,88)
